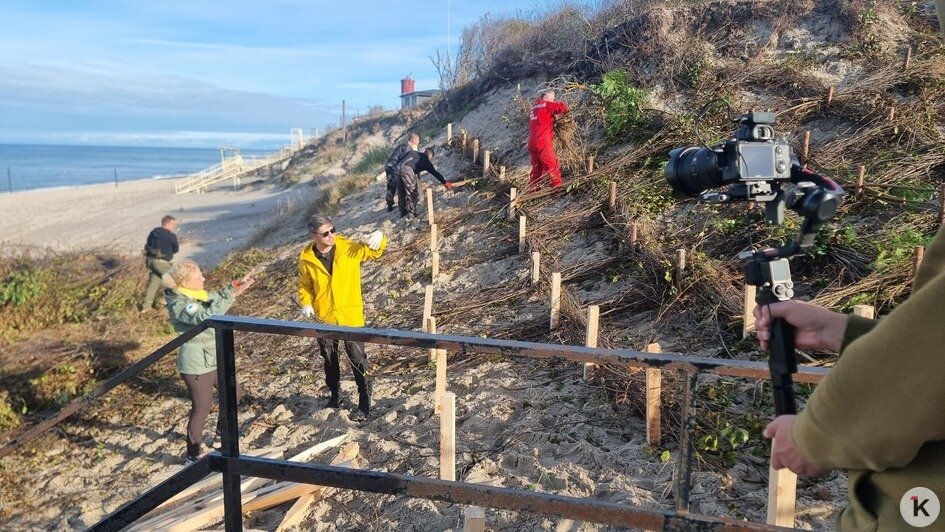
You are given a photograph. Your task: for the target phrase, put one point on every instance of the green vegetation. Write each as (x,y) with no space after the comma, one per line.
(898,250)
(373,160)
(624,111)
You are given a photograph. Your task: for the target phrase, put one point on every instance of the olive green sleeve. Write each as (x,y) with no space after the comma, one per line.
(883,399)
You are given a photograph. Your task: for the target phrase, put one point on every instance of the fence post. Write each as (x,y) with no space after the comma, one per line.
(427,306)
(502,173)
(830,94)
(860,179)
(806,147)
(555,299)
(430,205)
(475,149)
(612,197)
(590,339)
(440,380)
(486,162)
(521,234)
(536,264)
(905,64)
(513,193)
(435,266)
(634,237)
(431,328)
(590,164)
(917,261)
(748,315)
(684,461)
(892,113)
(654,389)
(433,245)
(449,134)
(680,267)
(474,519)
(866,311)
(448,436)
(465,140)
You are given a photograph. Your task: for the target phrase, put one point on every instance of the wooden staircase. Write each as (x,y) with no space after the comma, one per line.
(233,167)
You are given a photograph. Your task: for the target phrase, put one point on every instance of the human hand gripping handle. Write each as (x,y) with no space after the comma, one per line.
(374,240)
(784,454)
(448,185)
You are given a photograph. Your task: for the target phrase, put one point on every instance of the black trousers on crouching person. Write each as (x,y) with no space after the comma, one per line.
(201,400)
(391,187)
(407,194)
(359,366)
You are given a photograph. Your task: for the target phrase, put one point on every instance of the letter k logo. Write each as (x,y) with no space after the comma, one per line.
(919,507)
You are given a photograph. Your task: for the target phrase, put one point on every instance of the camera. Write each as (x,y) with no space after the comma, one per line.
(752,161)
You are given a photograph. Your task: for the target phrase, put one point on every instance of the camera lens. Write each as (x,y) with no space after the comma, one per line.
(692,170)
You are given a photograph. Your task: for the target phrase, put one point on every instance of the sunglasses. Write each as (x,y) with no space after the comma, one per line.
(325,234)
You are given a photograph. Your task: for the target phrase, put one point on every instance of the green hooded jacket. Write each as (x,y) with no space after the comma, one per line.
(880,412)
(199,355)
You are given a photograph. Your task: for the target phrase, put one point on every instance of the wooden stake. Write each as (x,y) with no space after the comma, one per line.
(634,240)
(806,149)
(465,140)
(654,389)
(866,311)
(449,133)
(905,64)
(917,261)
(612,197)
(427,306)
(536,264)
(486,162)
(860,178)
(475,150)
(680,266)
(440,380)
(782,493)
(555,299)
(590,339)
(830,94)
(502,173)
(590,164)
(435,266)
(430,205)
(892,113)
(748,315)
(474,519)
(513,193)
(433,245)
(431,328)
(521,234)
(448,436)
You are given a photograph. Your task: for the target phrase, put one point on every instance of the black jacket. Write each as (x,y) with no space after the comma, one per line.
(161,244)
(419,162)
(395,157)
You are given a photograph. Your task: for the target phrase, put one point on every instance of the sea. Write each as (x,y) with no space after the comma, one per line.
(32,167)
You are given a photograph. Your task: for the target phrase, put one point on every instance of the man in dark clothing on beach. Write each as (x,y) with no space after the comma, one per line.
(390,168)
(409,169)
(158,252)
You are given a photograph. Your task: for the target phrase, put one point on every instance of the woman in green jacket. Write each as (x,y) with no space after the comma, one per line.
(187,305)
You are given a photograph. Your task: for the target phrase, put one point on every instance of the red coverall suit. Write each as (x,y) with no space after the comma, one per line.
(541,142)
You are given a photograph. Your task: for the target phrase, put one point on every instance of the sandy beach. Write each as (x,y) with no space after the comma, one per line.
(211,224)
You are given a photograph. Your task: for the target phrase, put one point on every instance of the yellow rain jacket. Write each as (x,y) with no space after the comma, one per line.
(336,298)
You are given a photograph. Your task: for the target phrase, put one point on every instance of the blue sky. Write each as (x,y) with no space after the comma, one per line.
(197,73)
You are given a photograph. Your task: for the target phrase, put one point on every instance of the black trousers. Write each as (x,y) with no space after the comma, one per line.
(407,193)
(201,400)
(391,186)
(359,366)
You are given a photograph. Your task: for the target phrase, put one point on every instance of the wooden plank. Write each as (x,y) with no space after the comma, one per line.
(449,133)
(866,311)
(427,306)
(612,196)
(536,265)
(782,495)
(555,299)
(431,328)
(434,266)
(297,512)
(464,182)
(486,162)
(430,205)
(448,436)
(513,193)
(654,384)
(590,339)
(433,245)
(440,379)
(474,519)
(521,234)
(748,310)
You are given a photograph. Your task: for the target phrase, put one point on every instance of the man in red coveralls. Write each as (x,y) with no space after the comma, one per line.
(541,142)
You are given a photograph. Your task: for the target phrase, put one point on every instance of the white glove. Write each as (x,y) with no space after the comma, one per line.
(308,311)
(374,241)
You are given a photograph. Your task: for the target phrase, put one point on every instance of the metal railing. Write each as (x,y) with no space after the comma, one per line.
(232,168)
(232,465)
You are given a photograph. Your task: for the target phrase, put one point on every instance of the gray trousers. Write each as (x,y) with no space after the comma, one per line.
(156,269)
(391,186)
(407,193)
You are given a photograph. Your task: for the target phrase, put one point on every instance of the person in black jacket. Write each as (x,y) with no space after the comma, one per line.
(158,252)
(410,167)
(390,168)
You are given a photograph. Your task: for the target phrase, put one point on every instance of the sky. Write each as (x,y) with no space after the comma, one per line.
(205,74)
